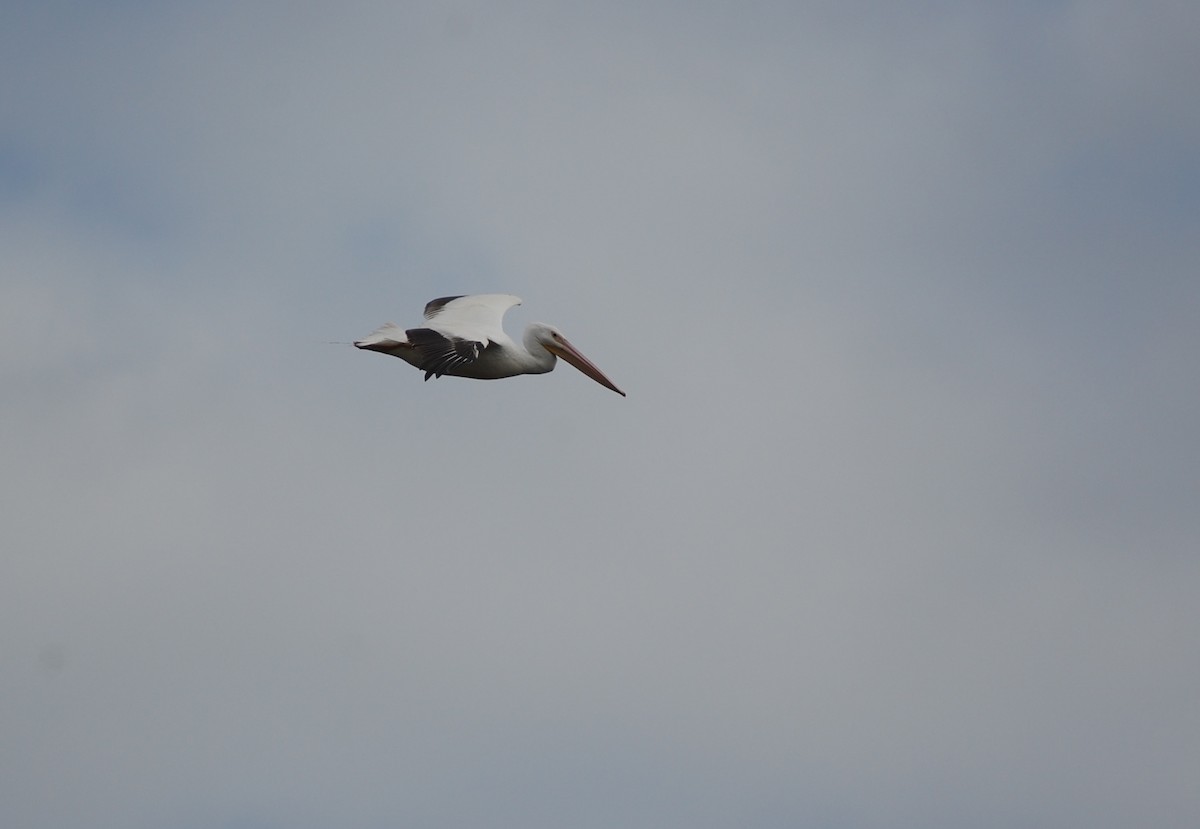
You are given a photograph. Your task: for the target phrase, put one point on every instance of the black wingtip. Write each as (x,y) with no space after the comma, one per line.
(433,306)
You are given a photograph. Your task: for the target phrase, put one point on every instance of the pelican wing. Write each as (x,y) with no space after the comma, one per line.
(437,353)
(478,317)
(458,331)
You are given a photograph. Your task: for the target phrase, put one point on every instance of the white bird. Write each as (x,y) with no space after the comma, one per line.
(464,337)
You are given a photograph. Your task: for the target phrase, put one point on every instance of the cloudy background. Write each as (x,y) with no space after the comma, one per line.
(898,526)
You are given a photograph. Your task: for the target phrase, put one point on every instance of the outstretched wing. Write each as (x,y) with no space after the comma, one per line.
(437,354)
(459,329)
(478,317)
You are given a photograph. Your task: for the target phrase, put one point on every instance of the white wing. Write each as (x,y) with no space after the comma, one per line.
(477,317)
(457,331)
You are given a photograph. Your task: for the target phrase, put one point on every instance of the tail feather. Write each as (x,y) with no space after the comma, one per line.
(387,339)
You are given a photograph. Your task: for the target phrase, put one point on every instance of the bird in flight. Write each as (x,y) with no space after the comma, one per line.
(463,336)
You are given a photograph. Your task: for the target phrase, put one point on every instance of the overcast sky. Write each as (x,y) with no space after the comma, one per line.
(897,527)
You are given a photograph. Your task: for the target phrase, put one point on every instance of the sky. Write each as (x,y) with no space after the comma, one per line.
(897,527)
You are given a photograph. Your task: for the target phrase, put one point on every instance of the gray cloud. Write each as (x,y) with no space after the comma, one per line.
(894,528)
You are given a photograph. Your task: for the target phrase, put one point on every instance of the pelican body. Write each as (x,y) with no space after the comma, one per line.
(463,336)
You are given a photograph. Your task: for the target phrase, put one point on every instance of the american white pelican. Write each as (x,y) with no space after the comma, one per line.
(463,336)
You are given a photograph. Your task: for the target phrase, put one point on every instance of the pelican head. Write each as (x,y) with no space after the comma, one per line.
(552,341)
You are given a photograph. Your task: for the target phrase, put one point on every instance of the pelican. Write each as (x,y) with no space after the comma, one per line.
(463,336)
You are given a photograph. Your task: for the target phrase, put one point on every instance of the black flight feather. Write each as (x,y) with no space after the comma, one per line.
(433,306)
(439,353)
